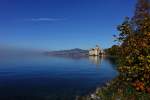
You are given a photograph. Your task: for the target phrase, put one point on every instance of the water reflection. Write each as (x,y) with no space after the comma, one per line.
(52,78)
(95,60)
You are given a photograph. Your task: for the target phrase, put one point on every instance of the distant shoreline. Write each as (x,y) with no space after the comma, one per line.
(75,53)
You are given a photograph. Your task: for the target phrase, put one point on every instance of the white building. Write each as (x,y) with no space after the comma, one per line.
(95,51)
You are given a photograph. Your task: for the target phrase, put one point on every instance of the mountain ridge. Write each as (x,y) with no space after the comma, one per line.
(76,52)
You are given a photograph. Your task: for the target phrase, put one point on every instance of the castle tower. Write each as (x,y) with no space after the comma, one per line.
(95,51)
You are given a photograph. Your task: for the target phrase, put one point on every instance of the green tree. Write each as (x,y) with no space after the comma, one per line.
(113,51)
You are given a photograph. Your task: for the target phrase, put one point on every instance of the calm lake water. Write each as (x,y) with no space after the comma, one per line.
(52,78)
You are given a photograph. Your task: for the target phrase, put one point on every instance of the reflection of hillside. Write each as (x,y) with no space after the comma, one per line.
(95,59)
(70,57)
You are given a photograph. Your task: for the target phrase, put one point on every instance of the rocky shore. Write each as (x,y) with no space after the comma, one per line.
(116,89)
(95,95)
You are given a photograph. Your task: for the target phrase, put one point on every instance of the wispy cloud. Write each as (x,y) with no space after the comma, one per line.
(45,19)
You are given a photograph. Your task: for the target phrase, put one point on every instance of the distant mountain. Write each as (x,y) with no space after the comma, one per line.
(69,53)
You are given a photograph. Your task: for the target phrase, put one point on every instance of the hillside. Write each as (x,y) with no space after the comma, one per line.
(69,53)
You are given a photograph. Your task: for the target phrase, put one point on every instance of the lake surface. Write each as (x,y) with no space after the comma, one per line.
(52,78)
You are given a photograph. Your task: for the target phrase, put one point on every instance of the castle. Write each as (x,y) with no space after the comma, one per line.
(97,51)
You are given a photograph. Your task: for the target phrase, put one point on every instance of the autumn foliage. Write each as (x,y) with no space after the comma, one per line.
(134,39)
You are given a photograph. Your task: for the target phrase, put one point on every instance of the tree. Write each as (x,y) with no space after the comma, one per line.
(134,37)
(113,51)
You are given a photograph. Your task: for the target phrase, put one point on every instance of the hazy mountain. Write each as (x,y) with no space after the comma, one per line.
(69,53)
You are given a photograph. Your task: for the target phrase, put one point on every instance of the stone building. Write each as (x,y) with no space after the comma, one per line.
(97,51)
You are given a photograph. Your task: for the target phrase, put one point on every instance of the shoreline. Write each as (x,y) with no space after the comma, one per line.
(93,95)
(116,89)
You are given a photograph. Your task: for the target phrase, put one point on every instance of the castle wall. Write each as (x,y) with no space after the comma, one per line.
(94,52)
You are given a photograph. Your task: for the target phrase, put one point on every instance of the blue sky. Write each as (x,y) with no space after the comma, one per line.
(61,24)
